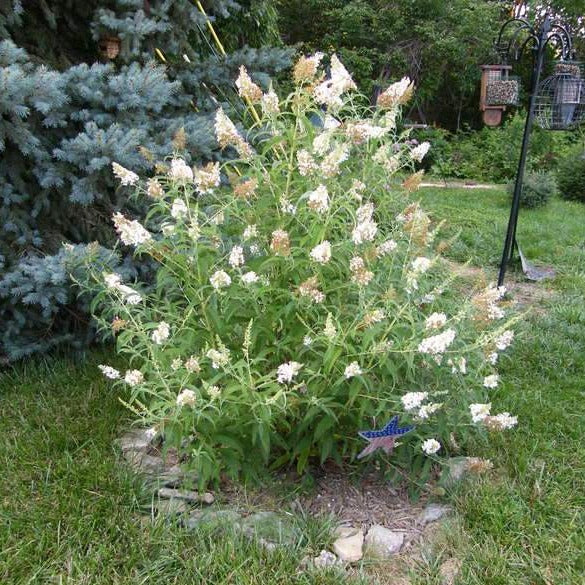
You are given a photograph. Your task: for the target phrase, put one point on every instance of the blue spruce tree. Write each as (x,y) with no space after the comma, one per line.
(83,84)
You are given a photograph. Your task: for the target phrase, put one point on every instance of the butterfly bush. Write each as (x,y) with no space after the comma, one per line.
(300,296)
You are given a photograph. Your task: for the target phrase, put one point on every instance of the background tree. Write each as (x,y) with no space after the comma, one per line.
(438,44)
(67,111)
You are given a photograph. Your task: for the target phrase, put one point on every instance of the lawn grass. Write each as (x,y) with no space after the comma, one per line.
(526,525)
(72,514)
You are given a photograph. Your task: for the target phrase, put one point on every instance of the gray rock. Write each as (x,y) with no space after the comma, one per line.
(270,527)
(211,519)
(344,531)
(382,543)
(432,513)
(350,548)
(174,477)
(325,560)
(135,440)
(187,496)
(145,463)
(170,508)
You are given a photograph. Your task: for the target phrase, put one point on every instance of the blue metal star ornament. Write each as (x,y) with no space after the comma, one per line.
(384,438)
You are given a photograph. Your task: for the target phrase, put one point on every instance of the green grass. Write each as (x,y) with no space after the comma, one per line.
(552,235)
(71,514)
(526,525)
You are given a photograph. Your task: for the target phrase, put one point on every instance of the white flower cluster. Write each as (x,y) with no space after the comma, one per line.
(192,364)
(504,340)
(329,92)
(287,371)
(459,366)
(318,200)
(219,357)
(246,87)
(179,209)
(331,164)
(250,277)
(109,372)
(133,377)
(386,248)
(236,258)
(420,151)
(125,176)
(426,410)
(352,370)
(220,279)
(227,135)
(413,400)
(131,232)
(330,331)
(500,422)
(431,446)
(436,345)
(186,398)
(491,381)
(207,178)
(436,321)
(306,163)
(359,273)
(270,103)
(479,411)
(180,171)
(395,94)
(366,228)
(161,333)
(419,266)
(250,232)
(322,252)
(129,295)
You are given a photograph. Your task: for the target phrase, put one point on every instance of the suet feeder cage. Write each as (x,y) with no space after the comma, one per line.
(498,90)
(560,100)
(109,47)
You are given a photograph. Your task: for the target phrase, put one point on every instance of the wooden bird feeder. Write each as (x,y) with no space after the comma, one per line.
(496,85)
(109,47)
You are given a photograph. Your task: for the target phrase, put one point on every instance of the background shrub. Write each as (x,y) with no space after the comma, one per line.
(491,154)
(300,300)
(571,176)
(537,189)
(65,115)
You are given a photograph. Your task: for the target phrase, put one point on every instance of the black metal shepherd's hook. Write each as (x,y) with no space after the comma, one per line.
(523,37)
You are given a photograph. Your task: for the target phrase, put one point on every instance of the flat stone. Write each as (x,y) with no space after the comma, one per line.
(345,531)
(135,440)
(173,477)
(145,463)
(382,543)
(449,571)
(270,527)
(211,519)
(171,508)
(432,513)
(187,496)
(325,560)
(350,548)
